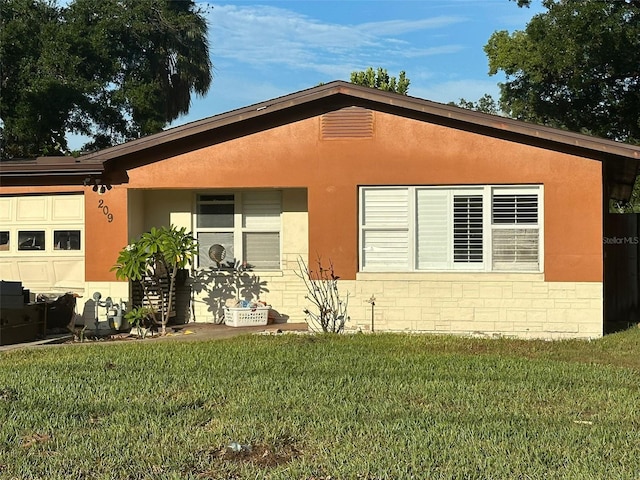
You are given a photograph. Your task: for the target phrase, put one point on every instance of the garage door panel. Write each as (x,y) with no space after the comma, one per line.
(67,208)
(68,273)
(35,273)
(6,207)
(9,271)
(29,209)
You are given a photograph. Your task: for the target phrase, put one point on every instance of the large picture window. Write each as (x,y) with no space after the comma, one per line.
(484,228)
(246,225)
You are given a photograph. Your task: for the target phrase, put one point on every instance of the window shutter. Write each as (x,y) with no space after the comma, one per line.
(215,213)
(261,210)
(385,222)
(467,229)
(433,231)
(515,209)
(385,250)
(262,250)
(386,207)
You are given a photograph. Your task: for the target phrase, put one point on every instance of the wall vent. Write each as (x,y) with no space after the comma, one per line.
(349,122)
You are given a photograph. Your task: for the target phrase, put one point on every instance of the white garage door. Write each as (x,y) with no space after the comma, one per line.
(42,241)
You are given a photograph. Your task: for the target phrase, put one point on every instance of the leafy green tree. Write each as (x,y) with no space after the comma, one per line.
(381,80)
(113,70)
(486,104)
(34,103)
(575,66)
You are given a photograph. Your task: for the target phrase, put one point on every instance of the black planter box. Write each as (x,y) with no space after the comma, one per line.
(20,325)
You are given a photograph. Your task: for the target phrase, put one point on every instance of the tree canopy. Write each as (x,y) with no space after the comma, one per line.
(381,80)
(485,104)
(575,66)
(112,70)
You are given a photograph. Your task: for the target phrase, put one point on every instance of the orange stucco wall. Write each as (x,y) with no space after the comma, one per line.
(105,232)
(402,152)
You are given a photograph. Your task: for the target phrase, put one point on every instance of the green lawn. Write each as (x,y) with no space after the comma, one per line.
(319,407)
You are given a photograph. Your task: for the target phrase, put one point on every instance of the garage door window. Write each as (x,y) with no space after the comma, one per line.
(4,240)
(66,239)
(31,240)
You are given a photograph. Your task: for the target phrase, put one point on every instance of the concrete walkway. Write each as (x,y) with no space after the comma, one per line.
(187,332)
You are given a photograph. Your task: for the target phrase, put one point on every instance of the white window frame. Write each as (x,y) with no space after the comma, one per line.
(239,229)
(487,192)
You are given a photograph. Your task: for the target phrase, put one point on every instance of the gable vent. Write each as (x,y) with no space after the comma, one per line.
(349,122)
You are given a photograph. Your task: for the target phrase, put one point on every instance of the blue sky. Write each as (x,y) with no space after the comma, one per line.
(265,49)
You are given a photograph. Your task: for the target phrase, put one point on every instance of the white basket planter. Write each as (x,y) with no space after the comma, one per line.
(246,316)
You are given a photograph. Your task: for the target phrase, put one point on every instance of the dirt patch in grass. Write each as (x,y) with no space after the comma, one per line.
(8,395)
(260,455)
(35,439)
(230,457)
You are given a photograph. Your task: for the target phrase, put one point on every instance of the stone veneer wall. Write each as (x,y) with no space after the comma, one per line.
(487,304)
(493,305)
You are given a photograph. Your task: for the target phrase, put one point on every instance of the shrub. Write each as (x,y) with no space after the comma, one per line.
(329,311)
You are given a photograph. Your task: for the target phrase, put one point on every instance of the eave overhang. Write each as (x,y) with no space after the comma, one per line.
(49,171)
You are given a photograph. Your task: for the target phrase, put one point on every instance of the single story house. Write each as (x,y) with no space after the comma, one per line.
(454,220)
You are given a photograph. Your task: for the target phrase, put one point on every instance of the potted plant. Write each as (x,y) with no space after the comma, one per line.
(157,256)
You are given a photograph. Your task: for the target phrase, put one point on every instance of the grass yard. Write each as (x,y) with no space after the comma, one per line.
(318,407)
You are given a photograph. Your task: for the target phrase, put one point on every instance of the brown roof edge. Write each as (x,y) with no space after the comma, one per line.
(48,170)
(61,160)
(396,102)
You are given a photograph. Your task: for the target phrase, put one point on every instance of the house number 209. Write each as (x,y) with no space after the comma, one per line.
(105,210)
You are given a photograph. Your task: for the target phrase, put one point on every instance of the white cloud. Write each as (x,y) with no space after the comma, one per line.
(267,36)
(399,27)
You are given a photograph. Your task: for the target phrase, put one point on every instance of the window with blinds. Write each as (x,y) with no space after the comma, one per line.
(515,229)
(246,224)
(385,228)
(482,228)
(467,229)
